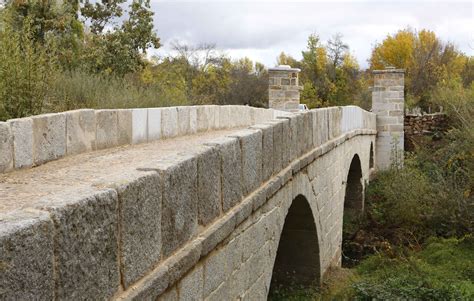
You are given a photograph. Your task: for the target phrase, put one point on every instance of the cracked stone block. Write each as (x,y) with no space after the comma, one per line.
(80,131)
(154,124)
(26,256)
(107,132)
(180,203)
(139,126)
(209,186)
(140,221)
(169,122)
(6,147)
(49,137)
(22,131)
(85,237)
(231,166)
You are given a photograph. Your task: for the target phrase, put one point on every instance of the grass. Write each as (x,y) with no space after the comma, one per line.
(442,270)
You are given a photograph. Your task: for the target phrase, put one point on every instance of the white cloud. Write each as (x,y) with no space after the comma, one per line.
(262,29)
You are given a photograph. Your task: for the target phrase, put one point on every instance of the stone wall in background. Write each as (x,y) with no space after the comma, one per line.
(416,126)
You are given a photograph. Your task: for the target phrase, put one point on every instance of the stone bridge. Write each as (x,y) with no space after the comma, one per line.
(184,203)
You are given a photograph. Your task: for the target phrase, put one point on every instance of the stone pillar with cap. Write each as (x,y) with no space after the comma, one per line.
(388,104)
(284,89)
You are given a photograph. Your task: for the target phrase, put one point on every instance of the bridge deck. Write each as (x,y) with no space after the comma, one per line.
(94,170)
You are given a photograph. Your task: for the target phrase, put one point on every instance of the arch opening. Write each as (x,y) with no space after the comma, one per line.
(371,158)
(297,261)
(353,208)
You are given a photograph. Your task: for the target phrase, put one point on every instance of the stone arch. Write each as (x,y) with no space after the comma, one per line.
(353,207)
(371,156)
(297,261)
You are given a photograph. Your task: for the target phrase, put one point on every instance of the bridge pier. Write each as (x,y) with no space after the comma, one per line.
(388,104)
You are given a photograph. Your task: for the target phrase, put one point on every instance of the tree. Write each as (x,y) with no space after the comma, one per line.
(120,51)
(25,69)
(427,61)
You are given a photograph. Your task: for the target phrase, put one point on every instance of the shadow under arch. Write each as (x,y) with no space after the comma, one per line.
(297,262)
(353,209)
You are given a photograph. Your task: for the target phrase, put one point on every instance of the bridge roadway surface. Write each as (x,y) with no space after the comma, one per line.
(99,169)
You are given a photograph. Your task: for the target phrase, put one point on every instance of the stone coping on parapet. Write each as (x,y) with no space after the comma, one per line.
(284,68)
(33,141)
(388,70)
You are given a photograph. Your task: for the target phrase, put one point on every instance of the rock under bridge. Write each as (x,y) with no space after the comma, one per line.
(182,203)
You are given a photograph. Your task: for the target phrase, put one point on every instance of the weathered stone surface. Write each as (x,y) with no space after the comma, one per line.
(294,145)
(6,147)
(26,256)
(191,286)
(209,185)
(184,121)
(86,250)
(107,132)
(221,293)
(80,131)
(169,295)
(140,224)
(151,287)
(205,119)
(335,117)
(215,271)
(49,137)
(169,122)
(180,203)
(22,131)
(224,117)
(139,126)
(154,124)
(278,145)
(183,261)
(308,131)
(124,127)
(231,166)
(268,150)
(251,146)
(192,120)
(217,232)
(286,141)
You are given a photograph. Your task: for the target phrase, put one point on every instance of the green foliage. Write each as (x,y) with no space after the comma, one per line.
(442,271)
(329,74)
(25,69)
(427,60)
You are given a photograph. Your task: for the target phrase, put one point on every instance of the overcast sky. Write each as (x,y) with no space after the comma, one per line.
(263,29)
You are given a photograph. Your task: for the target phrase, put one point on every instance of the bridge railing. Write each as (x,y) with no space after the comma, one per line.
(32,141)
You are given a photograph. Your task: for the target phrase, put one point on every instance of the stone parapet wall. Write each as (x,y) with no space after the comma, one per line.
(32,141)
(129,223)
